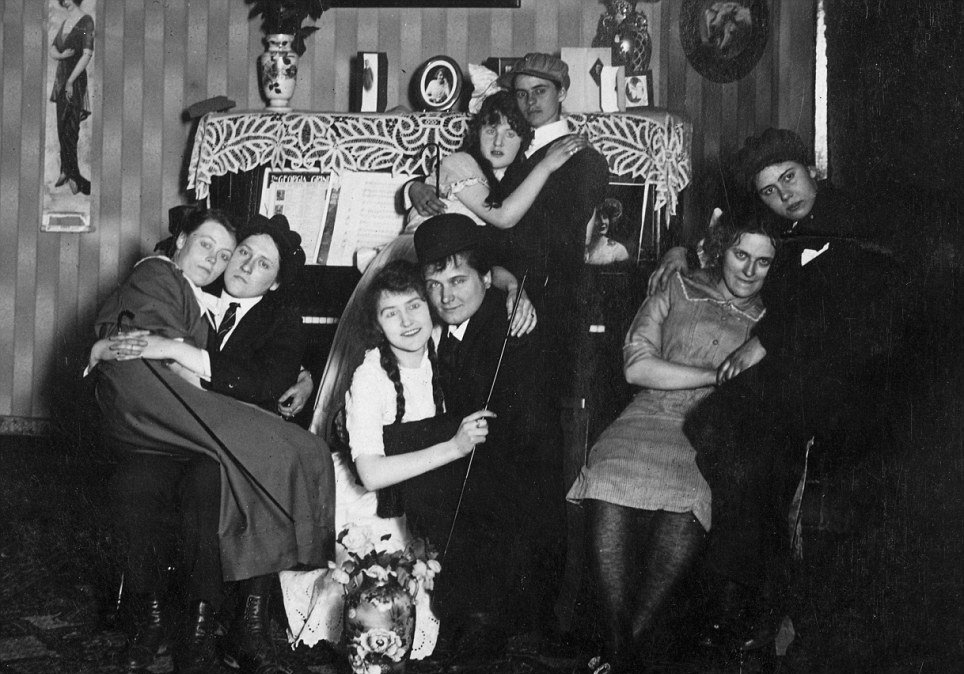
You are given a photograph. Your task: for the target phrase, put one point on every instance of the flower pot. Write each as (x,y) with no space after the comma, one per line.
(379,627)
(278,66)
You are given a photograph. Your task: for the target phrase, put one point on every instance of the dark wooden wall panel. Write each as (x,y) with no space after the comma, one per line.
(154,59)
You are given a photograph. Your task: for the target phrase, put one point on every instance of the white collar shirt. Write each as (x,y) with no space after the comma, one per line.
(458,331)
(245,304)
(547,133)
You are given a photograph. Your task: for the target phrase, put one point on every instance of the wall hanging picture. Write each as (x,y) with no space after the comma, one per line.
(723,41)
(437,84)
(69,88)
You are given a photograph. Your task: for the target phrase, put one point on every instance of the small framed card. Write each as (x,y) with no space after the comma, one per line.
(370,86)
(585,75)
(639,90)
(500,65)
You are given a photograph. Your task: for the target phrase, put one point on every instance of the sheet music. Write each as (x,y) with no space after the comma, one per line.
(303,199)
(366,216)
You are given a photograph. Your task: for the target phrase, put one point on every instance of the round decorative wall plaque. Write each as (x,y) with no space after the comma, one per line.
(724,40)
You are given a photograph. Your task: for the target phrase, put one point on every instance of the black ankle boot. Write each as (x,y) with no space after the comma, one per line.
(195,651)
(151,631)
(249,646)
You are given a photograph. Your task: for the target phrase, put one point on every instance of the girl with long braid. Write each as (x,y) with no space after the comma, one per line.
(396,384)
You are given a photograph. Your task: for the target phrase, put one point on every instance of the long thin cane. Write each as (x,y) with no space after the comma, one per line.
(488,399)
(210,432)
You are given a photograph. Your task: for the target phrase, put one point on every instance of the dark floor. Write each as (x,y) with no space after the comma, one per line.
(57,580)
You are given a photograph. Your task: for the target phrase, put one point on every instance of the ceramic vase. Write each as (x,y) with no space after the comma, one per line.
(379,627)
(278,66)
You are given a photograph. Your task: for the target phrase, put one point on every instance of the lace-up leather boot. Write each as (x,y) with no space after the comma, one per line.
(195,652)
(151,632)
(249,646)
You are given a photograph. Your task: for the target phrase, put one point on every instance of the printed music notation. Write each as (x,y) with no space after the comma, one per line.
(366,215)
(336,215)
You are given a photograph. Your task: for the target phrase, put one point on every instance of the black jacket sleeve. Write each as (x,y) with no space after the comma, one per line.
(263,356)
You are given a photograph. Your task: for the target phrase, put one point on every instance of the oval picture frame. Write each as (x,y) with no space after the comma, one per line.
(437,84)
(724,41)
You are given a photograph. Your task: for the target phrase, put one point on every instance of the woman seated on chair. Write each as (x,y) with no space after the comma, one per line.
(250,494)
(397,383)
(648,505)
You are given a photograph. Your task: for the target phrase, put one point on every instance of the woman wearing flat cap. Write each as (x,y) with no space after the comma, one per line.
(173,475)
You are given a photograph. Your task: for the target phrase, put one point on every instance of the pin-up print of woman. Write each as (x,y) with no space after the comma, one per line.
(73,48)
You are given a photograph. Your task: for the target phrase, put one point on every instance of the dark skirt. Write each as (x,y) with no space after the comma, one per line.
(258,534)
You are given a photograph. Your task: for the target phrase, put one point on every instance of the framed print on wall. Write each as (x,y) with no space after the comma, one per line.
(70,84)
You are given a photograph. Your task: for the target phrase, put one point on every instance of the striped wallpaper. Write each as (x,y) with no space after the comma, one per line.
(156,57)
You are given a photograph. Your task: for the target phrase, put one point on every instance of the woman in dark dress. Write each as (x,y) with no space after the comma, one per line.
(73,47)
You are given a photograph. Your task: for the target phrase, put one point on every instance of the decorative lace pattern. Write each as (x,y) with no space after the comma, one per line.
(650,148)
(460,185)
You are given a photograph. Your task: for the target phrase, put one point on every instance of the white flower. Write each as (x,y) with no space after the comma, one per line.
(357,540)
(338,574)
(380,642)
(379,573)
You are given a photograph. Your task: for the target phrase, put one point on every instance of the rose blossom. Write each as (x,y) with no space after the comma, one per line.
(383,642)
(357,540)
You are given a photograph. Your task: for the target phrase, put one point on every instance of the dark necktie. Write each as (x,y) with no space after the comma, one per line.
(226,324)
(448,354)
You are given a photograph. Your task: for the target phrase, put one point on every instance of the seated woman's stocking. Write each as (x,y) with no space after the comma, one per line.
(672,543)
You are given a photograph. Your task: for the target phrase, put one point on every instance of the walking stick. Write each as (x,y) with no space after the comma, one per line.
(488,399)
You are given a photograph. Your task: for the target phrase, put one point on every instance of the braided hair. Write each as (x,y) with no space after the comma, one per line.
(397,277)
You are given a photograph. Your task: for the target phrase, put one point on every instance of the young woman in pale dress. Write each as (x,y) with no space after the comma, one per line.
(396,383)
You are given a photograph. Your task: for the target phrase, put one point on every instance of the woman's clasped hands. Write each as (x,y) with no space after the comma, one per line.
(122,346)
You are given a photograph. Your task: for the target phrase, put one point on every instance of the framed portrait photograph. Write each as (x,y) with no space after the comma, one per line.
(437,84)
